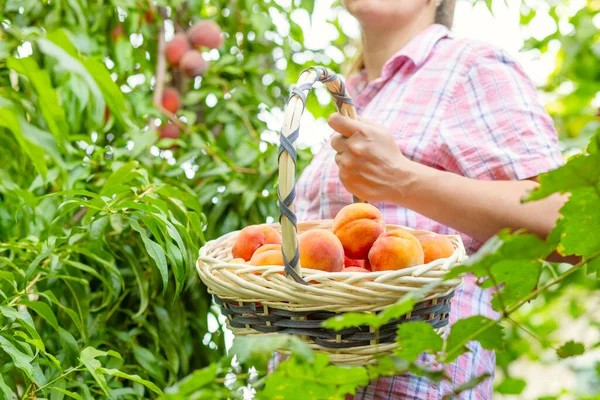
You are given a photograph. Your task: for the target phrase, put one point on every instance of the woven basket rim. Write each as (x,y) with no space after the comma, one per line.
(329,291)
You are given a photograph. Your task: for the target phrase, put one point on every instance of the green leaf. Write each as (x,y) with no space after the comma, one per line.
(581,220)
(582,171)
(256,350)
(414,338)
(72,395)
(354,319)
(192,383)
(5,391)
(155,251)
(24,319)
(88,358)
(397,310)
(117,180)
(149,361)
(112,94)
(511,386)
(515,285)
(43,310)
(72,64)
(297,380)
(570,349)
(9,120)
(479,328)
(133,378)
(47,98)
(22,361)
(511,260)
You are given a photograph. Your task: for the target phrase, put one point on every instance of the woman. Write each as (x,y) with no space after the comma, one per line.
(455,138)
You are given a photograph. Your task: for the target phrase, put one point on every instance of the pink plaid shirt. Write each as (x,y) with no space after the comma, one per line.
(459,106)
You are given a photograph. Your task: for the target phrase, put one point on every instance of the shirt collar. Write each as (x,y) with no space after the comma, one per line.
(417,51)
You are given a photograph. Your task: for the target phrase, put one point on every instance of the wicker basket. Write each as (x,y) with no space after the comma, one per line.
(295,300)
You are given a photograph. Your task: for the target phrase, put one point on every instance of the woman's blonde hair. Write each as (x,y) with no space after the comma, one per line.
(444,15)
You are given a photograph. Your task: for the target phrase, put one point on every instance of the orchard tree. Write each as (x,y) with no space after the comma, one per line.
(130,133)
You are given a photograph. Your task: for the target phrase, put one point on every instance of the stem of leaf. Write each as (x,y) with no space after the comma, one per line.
(60,377)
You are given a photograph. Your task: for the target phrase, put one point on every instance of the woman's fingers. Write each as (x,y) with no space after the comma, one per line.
(345,126)
(339,143)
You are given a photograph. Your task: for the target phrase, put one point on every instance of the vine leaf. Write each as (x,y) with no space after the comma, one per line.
(581,213)
(511,386)
(488,333)
(581,219)
(570,349)
(296,380)
(579,172)
(355,319)
(513,261)
(414,338)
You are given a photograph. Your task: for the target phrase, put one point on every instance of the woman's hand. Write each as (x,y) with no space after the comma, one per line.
(372,167)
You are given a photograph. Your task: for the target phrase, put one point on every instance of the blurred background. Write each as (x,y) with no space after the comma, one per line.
(103,61)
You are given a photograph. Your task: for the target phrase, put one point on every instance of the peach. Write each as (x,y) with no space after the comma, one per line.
(176,48)
(348,262)
(355,269)
(237,261)
(321,249)
(206,33)
(396,250)
(251,238)
(269,254)
(193,64)
(358,226)
(435,247)
(117,33)
(168,131)
(171,100)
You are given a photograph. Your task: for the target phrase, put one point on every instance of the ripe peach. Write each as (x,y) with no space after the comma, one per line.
(321,249)
(168,131)
(148,16)
(395,250)
(348,262)
(237,261)
(358,226)
(205,33)
(251,238)
(435,247)
(269,254)
(176,48)
(193,64)
(171,100)
(354,269)
(117,32)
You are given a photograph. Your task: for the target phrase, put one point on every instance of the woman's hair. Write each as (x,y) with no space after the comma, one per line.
(444,15)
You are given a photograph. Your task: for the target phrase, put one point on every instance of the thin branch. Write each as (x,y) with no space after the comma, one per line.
(527,331)
(161,66)
(27,289)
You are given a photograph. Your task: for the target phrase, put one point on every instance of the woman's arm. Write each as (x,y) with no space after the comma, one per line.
(373,168)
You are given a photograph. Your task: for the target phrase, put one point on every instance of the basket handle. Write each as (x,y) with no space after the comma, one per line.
(287,156)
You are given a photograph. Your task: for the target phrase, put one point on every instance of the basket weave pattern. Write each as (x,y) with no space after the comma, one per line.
(260,300)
